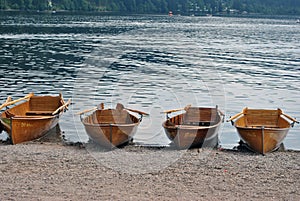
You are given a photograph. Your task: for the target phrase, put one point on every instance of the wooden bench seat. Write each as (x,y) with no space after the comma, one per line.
(201,123)
(261,126)
(32,116)
(45,112)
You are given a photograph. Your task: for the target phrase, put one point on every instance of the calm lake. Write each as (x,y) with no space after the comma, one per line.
(153,63)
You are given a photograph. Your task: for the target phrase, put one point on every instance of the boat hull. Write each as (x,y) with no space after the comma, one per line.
(200,130)
(262,140)
(184,137)
(110,128)
(28,129)
(110,136)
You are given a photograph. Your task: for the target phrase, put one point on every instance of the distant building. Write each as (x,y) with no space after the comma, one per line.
(234,11)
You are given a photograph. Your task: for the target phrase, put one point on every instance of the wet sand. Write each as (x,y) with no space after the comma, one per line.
(55,171)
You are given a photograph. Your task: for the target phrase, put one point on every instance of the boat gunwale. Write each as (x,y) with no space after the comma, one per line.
(112,124)
(262,127)
(191,127)
(34,117)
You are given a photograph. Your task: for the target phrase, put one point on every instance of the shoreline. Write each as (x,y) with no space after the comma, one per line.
(55,136)
(55,171)
(78,12)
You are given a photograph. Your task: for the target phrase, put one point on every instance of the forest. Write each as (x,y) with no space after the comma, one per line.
(182,7)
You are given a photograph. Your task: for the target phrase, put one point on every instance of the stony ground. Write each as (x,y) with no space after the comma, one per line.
(53,171)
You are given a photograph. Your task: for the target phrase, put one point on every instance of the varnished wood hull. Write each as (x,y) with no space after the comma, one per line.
(263,131)
(31,128)
(108,129)
(262,140)
(22,127)
(200,131)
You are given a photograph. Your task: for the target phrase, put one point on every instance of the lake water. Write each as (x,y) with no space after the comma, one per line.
(153,63)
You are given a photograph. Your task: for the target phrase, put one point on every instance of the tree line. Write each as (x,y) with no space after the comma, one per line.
(195,7)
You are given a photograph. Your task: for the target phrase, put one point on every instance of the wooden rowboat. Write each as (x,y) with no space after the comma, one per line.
(262,130)
(33,118)
(197,127)
(111,128)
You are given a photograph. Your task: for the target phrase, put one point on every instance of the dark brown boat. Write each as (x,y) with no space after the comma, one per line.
(33,118)
(197,127)
(262,130)
(111,128)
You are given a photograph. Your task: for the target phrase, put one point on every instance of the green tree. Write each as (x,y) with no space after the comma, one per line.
(237,4)
(160,6)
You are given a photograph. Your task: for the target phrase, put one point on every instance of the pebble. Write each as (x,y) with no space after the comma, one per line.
(55,171)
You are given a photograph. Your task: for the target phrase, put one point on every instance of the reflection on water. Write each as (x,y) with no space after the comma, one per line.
(153,63)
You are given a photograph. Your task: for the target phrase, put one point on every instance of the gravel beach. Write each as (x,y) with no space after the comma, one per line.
(55,171)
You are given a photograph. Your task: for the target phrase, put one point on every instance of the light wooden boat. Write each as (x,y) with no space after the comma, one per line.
(111,128)
(32,118)
(197,127)
(262,130)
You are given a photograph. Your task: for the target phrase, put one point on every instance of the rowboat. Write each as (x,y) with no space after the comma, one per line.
(196,127)
(262,130)
(32,118)
(111,128)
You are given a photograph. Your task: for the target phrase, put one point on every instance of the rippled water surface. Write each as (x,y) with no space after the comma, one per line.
(153,63)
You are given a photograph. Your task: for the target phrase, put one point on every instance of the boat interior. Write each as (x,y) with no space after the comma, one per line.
(195,116)
(255,118)
(111,116)
(36,106)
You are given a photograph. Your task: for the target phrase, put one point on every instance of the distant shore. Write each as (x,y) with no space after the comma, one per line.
(54,171)
(247,15)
